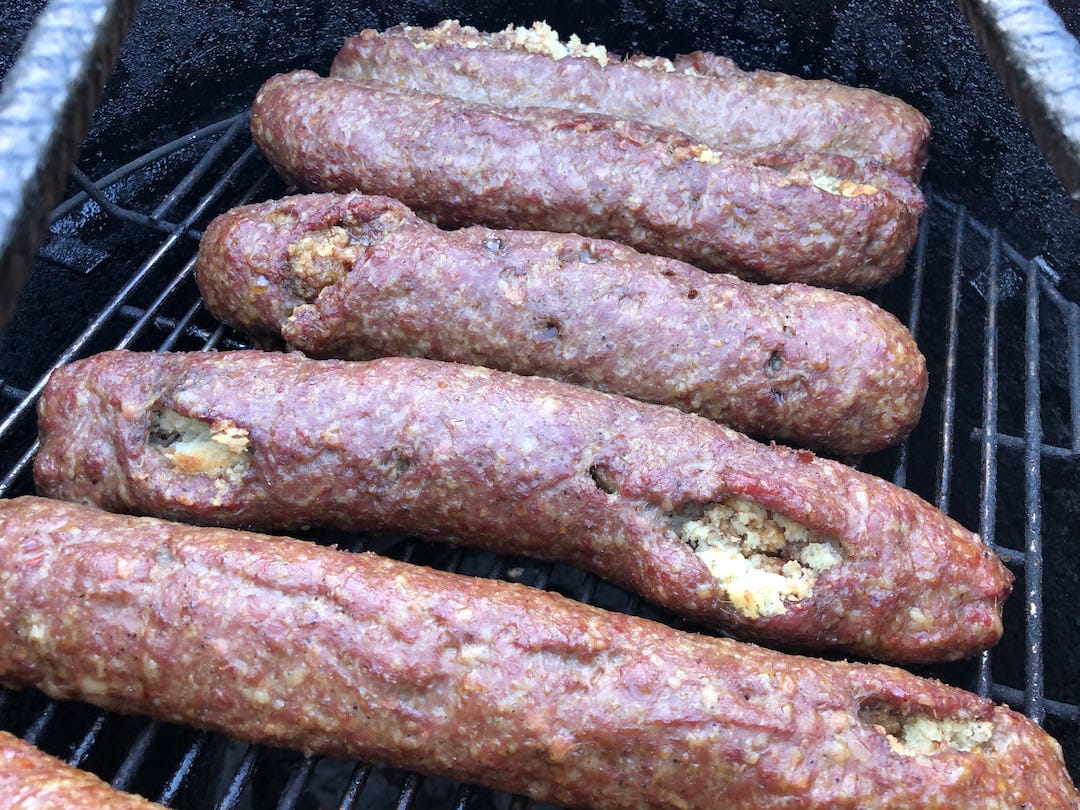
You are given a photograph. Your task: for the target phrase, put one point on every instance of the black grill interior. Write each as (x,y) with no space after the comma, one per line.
(997,449)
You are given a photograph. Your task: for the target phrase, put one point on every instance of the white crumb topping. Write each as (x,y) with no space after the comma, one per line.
(542,38)
(194,447)
(539,38)
(760,558)
(655,63)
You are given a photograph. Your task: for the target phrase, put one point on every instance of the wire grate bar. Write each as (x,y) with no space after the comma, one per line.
(181,328)
(297,782)
(918,273)
(900,471)
(988,484)
(1010,442)
(409,788)
(948,396)
(357,782)
(240,779)
(1054,708)
(76,200)
(199,170)
(148,315)
(118,211)
(18,469)
(135,756)
(83,749)
(11,392)
(37,728)
(1033,664)
(176,781)
(1011,556)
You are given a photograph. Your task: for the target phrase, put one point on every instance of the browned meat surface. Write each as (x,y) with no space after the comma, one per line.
(358,277)
(292,644)
(774,543)
(31,779)
(703,95)
(814,218)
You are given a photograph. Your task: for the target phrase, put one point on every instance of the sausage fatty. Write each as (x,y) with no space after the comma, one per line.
(358,277)
(773,543)
(292,644)
(808,217)
(703,95)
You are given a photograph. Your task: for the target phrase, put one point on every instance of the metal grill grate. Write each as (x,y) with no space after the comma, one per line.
(1003,348)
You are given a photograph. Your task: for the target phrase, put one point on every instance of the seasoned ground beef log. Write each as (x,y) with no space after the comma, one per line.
(814,218)
(705,96)
(31,779)
(358,277)
(348,655)
(774,543)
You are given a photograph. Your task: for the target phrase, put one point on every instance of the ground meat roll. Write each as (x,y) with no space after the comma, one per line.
(347,655)
(814,218)
(358,277)
(31,779)
(703,95)
(773,543)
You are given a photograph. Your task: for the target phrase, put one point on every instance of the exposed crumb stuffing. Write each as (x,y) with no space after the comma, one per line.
(760,558)
(919,734)
(538,38)
(322,258)
(194,447)
(834,185)
(704,154)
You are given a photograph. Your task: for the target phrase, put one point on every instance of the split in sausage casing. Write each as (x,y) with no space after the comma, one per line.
(808,217)
(773,543)
(702,95)
(358,277)
(292,644)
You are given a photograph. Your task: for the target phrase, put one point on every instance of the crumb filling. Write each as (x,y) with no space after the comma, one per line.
(539,38)
(322,258)
(918,734)
(762,560)
(195,447)
(843,188)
